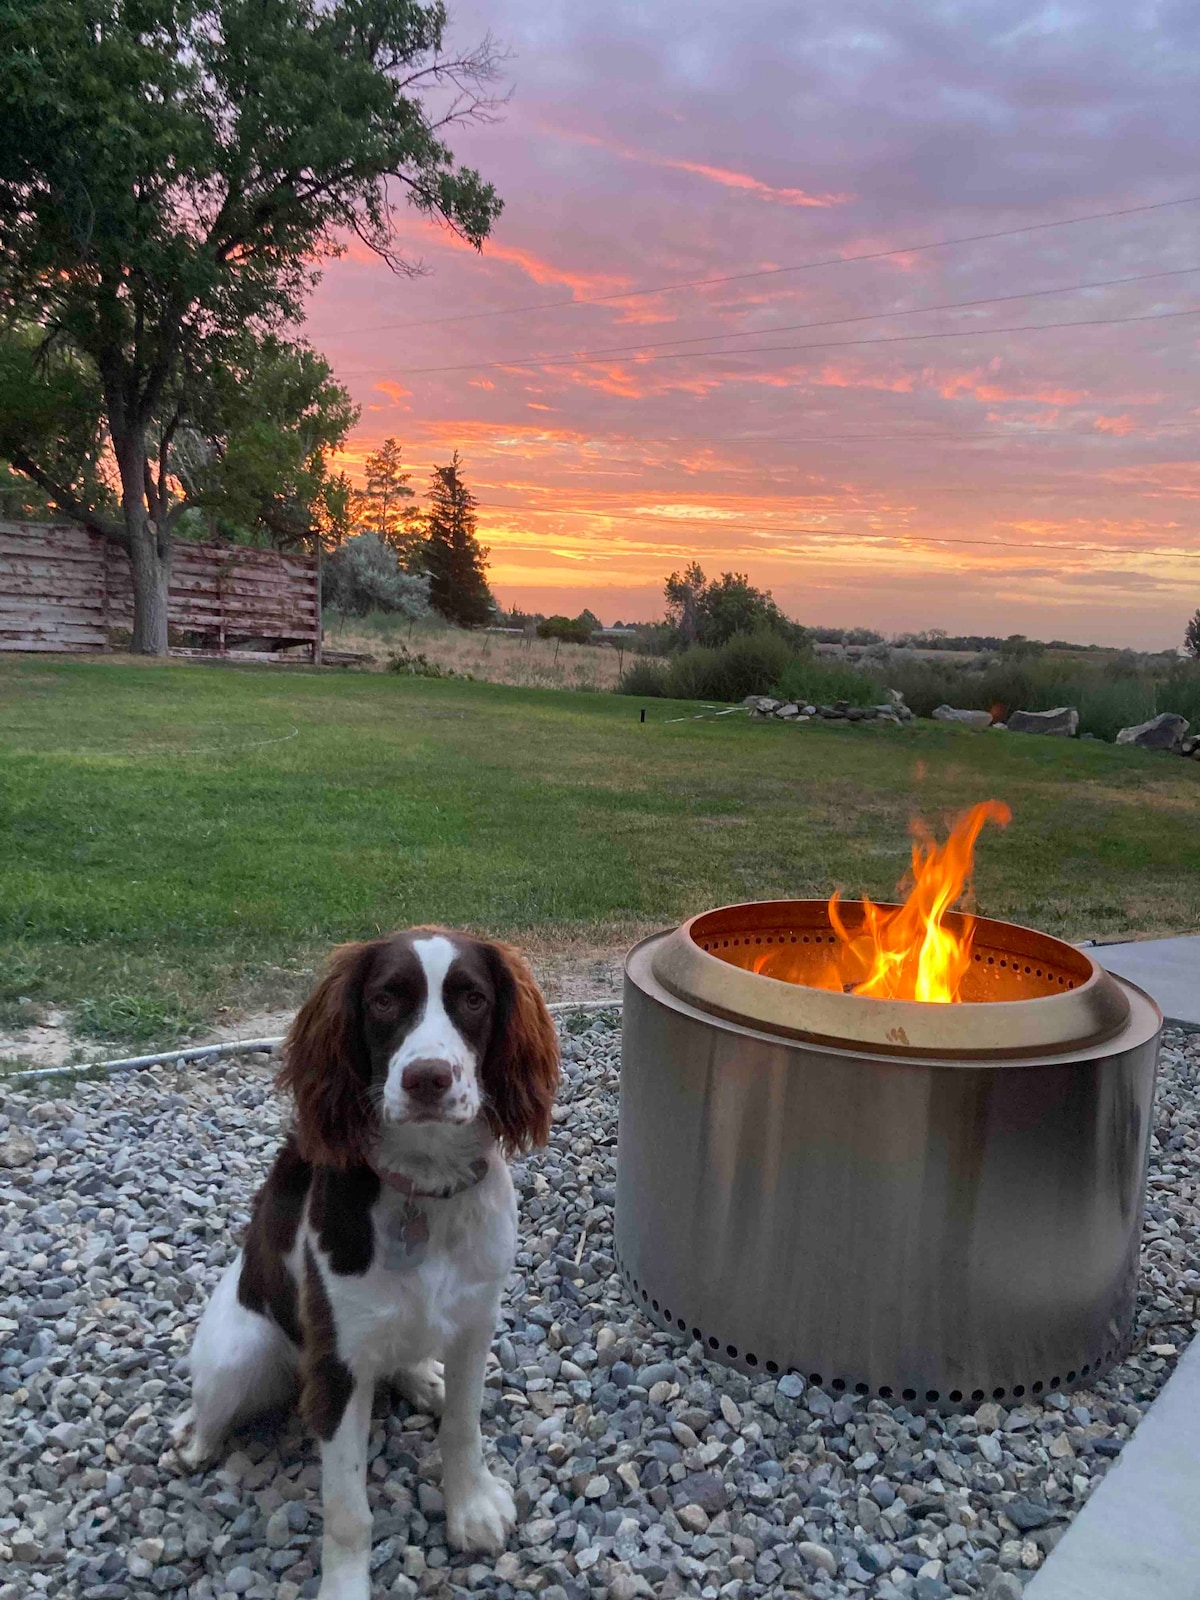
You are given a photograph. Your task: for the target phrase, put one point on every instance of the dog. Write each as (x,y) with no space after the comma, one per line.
(379,1245)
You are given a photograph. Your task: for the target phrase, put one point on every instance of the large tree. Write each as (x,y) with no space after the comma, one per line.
(452,555)
(705,611)
(172,175)
(1191,636)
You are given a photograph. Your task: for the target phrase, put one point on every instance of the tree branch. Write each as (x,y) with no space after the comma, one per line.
(67,503)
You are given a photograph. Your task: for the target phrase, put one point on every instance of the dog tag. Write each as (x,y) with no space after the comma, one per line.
(407,1236)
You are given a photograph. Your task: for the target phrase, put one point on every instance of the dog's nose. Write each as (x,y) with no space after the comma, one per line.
(426,1081)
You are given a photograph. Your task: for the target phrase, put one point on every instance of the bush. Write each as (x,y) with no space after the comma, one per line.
(413,664)
(572,630)
(749,663)
(645,678)
(364,575)
(814,683)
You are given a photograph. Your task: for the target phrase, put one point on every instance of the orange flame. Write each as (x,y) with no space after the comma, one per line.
(908,953)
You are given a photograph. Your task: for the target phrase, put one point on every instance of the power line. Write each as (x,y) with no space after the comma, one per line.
(824,344)
(772,272)
(605,351)
(634,518)
(910,437)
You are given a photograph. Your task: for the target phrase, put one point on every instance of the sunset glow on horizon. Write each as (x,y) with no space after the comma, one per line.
(909,441)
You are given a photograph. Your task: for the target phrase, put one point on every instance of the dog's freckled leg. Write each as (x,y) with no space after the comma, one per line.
(346,1547)
(479,1507)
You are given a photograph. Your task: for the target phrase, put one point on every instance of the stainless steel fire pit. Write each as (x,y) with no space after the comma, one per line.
(939,1203)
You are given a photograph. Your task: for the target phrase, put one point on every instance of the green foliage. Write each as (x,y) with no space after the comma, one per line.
(363,575)
(172,175)
(749,663)
(383,507)
(648,679)
(811,682)
(572,630)
(452,556)
(712,613)
(406,663)
(1191,636)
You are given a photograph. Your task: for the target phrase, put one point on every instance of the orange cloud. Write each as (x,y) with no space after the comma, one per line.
(1118,425)
(394,391)
(727,177)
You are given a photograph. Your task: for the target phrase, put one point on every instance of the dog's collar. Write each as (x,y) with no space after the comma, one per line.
(403,1184)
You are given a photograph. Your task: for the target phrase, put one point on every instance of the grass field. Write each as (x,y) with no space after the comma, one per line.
(179,837)
(489,657)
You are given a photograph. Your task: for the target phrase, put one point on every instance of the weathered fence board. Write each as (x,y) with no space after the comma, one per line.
(62,588)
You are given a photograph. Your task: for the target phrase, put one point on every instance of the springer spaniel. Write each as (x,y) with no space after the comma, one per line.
(381,1240)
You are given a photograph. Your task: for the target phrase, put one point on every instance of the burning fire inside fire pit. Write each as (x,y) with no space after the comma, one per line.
(907,952)
(821,1171)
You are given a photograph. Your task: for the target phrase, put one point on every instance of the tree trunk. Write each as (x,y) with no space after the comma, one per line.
(151,580)
(149,549)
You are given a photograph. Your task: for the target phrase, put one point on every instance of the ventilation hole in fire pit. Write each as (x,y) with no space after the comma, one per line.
(645,1297)
(997,1394)
(956,1395)
(1071,1377)
(751,1360)
(1038,1387)
(909,1394)
(713,1342)
(1018,1390)
(1085,1370)
(977,1395)
(862,1388)
(697,1335)
(654,1303)
(885,1392)
(681,1324)
(839,1384)
(932,1395)
(772,1366)
(815,1379)
(1055,1382)
(731,1351)
(666,1312)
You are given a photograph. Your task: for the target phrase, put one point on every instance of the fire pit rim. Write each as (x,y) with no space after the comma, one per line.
(1094,1010)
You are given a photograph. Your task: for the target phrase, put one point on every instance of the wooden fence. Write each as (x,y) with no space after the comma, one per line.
(62,588)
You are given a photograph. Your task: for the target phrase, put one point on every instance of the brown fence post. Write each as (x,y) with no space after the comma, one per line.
(319,637)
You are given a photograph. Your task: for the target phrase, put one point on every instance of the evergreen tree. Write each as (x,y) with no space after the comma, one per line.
(452,556)
(382,507)
(1191,636)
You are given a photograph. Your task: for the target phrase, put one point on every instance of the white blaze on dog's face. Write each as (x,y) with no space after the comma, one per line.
(428,1011)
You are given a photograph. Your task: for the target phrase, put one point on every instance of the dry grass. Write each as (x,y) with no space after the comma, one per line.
(487,657)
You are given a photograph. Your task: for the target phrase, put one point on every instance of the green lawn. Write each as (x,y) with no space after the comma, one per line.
(180,837)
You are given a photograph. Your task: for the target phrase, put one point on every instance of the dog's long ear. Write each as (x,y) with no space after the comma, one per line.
(326,1067)
(520,1070)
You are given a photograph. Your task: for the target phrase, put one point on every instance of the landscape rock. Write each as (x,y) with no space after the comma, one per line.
(970,719)
(1164,732)
(762,704)
(787,712)
(1062,720)
(641,1468)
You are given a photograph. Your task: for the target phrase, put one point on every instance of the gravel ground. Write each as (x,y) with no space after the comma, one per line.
(639,1467)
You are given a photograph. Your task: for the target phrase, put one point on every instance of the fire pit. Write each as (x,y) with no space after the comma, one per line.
(935,1203)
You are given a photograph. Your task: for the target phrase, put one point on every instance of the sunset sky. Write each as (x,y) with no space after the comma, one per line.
(803,425)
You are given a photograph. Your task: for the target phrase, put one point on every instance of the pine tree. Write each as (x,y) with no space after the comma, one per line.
(382,507)
(1191,636)
(452,556)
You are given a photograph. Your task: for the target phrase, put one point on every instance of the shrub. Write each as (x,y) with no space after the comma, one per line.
(364,575)
(572,630)
(814,683)
(645,678)
(749,663)
(413,664)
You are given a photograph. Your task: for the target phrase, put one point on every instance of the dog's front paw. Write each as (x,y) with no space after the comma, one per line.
(192,1451)
(423,1385)
(480,1515)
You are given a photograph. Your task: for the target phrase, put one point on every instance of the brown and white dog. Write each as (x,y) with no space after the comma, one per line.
(381,1240)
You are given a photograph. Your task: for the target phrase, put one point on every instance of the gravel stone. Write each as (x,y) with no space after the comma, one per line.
(639,1468)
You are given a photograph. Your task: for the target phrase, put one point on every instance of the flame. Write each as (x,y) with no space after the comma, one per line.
(908,953)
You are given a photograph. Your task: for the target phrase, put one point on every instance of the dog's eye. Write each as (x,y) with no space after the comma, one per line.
(383,1005)
(473,1000)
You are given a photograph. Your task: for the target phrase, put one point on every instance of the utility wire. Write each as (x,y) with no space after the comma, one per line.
(772,272)
(828,322)
(772,349)
(910,437)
